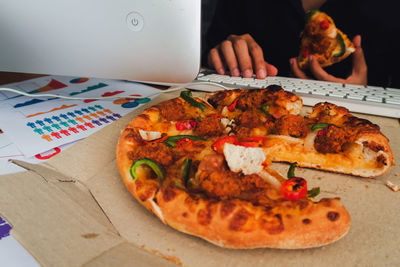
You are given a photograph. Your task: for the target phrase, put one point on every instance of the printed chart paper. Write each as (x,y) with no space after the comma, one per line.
(39,124)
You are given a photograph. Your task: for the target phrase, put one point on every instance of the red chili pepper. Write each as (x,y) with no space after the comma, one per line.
(249,144)
(294,188)
(161,139)
(324,24)
(184,143)
(324,130)
(254,139)
(232,106)
(185,125)
(218,145)
(305,52)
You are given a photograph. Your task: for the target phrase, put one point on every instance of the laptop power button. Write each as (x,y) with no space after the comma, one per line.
(135,21)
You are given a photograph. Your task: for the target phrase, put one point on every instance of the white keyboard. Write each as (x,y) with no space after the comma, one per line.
(357,98)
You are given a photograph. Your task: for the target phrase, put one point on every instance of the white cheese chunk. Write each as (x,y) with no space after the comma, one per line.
(149,135)
(249,160)
(246,159)
(332,32)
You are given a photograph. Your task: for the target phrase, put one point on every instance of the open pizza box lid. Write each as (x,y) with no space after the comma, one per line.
(74,210)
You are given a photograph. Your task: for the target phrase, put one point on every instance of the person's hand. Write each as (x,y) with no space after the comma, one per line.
(241,55)
(357,76)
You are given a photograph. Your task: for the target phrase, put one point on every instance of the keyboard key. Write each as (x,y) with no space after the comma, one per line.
(393,101)
(355,97)
(318,92)
(337,94)
(374,99)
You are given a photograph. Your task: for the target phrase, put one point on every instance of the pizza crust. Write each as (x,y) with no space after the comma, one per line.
(240,225)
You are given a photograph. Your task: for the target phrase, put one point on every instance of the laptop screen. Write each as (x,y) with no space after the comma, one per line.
(138,40)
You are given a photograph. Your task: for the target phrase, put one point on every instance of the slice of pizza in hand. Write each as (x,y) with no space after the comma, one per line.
(323,40)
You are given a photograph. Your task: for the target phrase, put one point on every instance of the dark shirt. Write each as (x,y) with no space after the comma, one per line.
(276,26)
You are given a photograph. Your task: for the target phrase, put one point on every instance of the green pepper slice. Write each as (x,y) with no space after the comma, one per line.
(187,96)
(290,173)
(185,170)
(342,46)
(265,109)
(313,192)
(157,168)
(319,126)
(171,141)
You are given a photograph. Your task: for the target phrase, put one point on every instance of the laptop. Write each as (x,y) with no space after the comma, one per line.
(156,41)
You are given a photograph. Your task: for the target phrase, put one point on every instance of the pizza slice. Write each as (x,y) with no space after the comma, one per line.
(329,138)
(322,39)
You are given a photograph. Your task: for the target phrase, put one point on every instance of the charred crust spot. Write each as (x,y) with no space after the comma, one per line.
(332,216)
(303,204)
(273,224)
(168,193)
(191,203)
(146,195)
(239,220)
(381,161)
(227,208)
(274,88)
(184,214)
(361,123)
(204,216)
(326,202)
(278,228)
(306,221)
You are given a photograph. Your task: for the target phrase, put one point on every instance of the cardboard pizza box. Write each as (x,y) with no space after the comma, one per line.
(74,210)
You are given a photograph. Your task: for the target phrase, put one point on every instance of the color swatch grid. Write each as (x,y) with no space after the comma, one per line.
(72,122)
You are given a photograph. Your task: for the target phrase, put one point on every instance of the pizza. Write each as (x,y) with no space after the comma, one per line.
(204,166)
(322,39)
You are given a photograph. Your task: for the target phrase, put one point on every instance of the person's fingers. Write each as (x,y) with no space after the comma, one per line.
(296,71)
(215,61)
(258,59)
(359,63)
(271,69)
(319,73)
(242,53)
(230,57)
